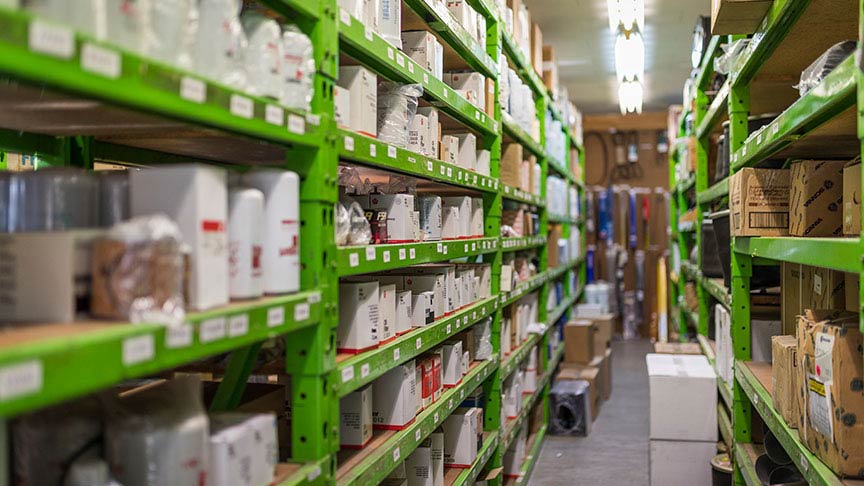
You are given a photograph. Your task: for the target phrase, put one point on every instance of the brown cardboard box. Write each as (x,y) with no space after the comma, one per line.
(852,200)
(579,341)
(853,292)
(795,278)
(514,5)
(677,348)
(550,72)
(537,48)
(606,370)
(831,356)
(783,369)
(799,380)
(589,374)
(511,164)
(737,16)
(828,290)
(490,97)
(759,202)
(552,245)
(816,198)
(603,333)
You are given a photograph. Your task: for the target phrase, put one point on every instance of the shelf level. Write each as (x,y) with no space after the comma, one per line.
(515,194)
(745,458)
(522,243)
(717,191)
(838,253)
(517,356)
(520,136)
(716,112)
(467,477)
(310,474)
(511,427)
(530,459)
(356,260)
(522,64)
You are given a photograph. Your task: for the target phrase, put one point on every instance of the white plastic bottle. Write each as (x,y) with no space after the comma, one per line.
(245,238)
(281,248)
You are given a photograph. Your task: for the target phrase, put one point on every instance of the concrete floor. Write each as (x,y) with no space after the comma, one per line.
(616,451)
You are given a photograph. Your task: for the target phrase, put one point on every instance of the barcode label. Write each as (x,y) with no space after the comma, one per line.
(178,336)
(242,106)
(274,115)
(769,220)
(238,325)
(51,39)
(21,379)
(138,349)
(100,60)
(192,89)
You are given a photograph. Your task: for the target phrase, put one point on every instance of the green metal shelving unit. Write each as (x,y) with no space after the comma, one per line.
(827,122)
(236,130)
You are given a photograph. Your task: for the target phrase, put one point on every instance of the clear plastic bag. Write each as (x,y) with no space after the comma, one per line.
(343,225)
(298,69)
(724,63)
(220,44)
(361,232)
(158,435)
(483,340)
(264,54)
(138,272)
(397,105)
(401,184)
(821,67)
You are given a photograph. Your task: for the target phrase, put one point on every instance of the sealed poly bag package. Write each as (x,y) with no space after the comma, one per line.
(220,42)
(264,54)
(159,434)
(570,408)
(397,105)
(483,340)
(298,69)
(821,67)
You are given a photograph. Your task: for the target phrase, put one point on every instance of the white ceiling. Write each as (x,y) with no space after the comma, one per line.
(579,30)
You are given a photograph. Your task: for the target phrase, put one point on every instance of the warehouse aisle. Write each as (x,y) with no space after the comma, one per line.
(616,452)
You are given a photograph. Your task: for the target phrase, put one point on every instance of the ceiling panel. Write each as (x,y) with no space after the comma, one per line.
(579,30)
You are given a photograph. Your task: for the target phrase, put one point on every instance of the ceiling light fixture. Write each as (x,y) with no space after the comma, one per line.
(627,21)
(630,97)
(629,56)
(628,15)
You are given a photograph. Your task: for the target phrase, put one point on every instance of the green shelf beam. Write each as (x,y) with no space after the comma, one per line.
(717,191)
(51,370)
(725,392)
(524,288)
(309,474)
(357,260)
(520,136)
(523,66)
(515,194)
(376,467)
(440,19)
(366,150)
(814,470)
(724,423)
(717,290)
(706,66)
(834,95)
(778,21)
(512,361)
(559,310)
(707,349)
(359,370)
(745,459)
(361,42)
(307,8)
(468,476)
(715,112)
(532,457)
(842,254)
(522,243)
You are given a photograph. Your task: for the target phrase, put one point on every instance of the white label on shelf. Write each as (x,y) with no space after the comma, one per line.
(238,325)
(301,312)
(400,60)
(442,170)
(138,349)
(425,78)
(449,329)
(390,53)
(344,16)
(193,90)
(412,253)
(314,298)
(474,246)
(370,253)
(417,435)
(364,370)
(386,256)
(51,39)
(274,115)
(474,315)
(313,474)
(450,404)
(391,151)
(373,150)
(401,253)
(755,399)
(477,115)
(397,354)
(450,172)
(440,247)
(212,330)
(275,316)
(461,394)
(367,32)
(241,106)
(412,160)
(21,379)
(313,119)
(179,336)
(396,455)
(101,60)
(353,260)
(744,150)
(418,343)
(429,166)
(445,249)
(805,464)
(349,143)
(458,175)
(446,93)
(411,67)
(759,138)
(347,374)
(435,417)
(296,124)
(776,130)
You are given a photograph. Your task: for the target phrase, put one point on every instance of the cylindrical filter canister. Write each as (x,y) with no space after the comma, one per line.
(281,247)
(264,54)
(53,199)
(113,197)
(245,236)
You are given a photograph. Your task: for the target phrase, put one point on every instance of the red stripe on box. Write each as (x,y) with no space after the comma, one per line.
(212,225)
(354,351)
(393,427)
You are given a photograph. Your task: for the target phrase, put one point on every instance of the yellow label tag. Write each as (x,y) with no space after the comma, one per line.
(817,387)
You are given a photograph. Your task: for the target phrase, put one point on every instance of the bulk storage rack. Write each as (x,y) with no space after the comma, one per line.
(825,123)
(120,107)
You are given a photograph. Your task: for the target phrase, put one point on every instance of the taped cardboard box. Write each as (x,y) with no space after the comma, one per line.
(759,202)
(783,370)
(829,346)
(852,200)
(550,69)
(677,348)
(853,292)
(604,325)
(511,164)
(590,374)
(579,341)
(816,198)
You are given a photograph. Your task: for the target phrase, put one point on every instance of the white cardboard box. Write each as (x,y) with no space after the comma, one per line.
(418,135)
(467,156)
(436,442)
(431,113)
(450,223)
(681,463)
(395,395)
(683,397)
(515,454)
(355,418)
(513,394)
(195,196)
(342,102)
(403,311)
(431,220)
(484,163)
(362,87)
(387,312)
(231,450)
(761,331)
(452,363)
(422,308)
(449,149)
(463,205)
(390,21)
(476,217)
(430,283)
(420,46)
(419,467)
(400,211)
(460,438)
(359,317)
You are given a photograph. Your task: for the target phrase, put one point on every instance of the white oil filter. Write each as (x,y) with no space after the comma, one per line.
(220,42)
(450,227)
(245,235)
(281,248)
(264,55)
(297,69)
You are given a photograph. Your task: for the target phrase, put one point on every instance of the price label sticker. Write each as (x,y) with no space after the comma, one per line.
(417,435)
(755,399)
(425,78)
(400,60)
(313,474)
(418,343)
(349,143)
(391,151)
(296,124)
(373,150)
(238,325)
(138,349)
(474,246)
(429,166)
(347,374)
(21,379)
(212,330)
(775,129)
(370,253)
(461,394)
(353,259)
(386,256)
(345,17)
(449,329)
(101,60)
(179,336)
(401,253)
(193,90)
(396,455)
(412,160)
(301,312)
(50,39)
(390,53)
(477,115)
(367,33)
(364,370)
(435,417)
(241,106)
(274,115)
(275,316)
(450,172)
(442,171)
(446,94)
(397,354)
(445,249)
(440,247)
(450,404)
(412,253)
(805,464)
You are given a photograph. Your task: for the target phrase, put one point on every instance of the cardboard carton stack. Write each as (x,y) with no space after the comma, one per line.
(588,356)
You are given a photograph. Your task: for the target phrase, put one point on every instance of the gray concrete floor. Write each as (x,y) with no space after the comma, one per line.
(616,451)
